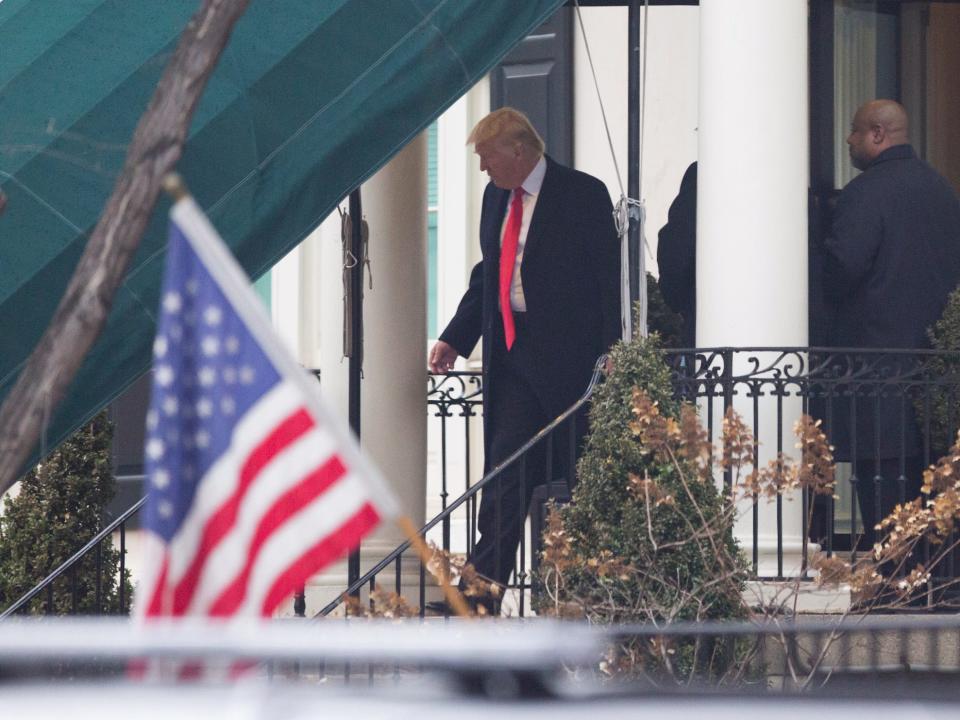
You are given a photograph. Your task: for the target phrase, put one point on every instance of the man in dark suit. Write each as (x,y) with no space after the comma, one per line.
(677,257)
(891,260)
(545,299)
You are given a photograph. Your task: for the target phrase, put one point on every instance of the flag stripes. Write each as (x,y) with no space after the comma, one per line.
(285,508)
(321,554)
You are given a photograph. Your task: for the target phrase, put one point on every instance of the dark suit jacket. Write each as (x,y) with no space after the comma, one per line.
(677,256)
(892,258)
(571,283)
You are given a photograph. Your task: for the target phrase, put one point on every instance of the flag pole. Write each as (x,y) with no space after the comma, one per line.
(174,186)
(452,594)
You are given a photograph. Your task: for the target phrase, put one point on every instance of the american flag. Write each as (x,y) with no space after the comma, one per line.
(253,486)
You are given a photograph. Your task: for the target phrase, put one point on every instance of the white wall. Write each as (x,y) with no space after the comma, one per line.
(669,127)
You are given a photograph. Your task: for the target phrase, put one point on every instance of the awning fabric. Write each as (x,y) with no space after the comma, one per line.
(309,99)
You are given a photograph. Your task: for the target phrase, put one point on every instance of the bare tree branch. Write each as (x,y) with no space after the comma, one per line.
(156,147)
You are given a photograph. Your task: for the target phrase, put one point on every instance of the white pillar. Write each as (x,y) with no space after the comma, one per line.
(752,212)
(393,388)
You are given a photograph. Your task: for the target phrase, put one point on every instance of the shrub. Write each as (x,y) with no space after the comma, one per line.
(59,508)
(647,537)
(945,399)
(660,318)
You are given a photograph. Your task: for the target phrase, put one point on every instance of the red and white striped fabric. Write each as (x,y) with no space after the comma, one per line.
(253,486)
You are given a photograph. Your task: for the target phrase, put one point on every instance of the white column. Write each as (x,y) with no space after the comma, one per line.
(393,424)
(393,388)
(752,212)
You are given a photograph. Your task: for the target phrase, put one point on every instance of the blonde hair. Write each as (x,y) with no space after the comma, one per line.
(507,125)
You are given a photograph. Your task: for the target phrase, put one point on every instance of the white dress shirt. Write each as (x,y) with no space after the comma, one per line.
(531,188)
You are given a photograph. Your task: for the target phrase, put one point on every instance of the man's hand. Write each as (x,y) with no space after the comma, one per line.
(442,357)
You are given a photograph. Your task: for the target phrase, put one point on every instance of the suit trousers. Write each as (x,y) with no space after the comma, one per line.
(517,416)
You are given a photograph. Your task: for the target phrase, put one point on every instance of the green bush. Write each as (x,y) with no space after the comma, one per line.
(660,318)
(647,537)
(59,508)
(944,400)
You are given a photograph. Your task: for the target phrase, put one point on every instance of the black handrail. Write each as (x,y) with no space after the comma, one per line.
(487,479)
(66,565)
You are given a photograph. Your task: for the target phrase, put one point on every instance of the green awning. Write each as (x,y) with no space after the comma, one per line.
(309,99)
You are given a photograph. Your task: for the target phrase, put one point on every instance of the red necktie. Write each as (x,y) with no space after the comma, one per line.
(508,256)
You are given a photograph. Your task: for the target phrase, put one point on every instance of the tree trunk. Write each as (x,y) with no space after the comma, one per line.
(156,147)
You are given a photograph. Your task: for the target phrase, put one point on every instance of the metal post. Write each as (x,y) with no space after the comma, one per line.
(356,351)
(633,147)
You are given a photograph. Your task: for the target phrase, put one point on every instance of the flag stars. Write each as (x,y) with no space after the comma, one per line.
(247,375)
(210,346)
(227,405)
(170,405)
(207,376)
(230,375)
(202,438)
(165,509)
(160,346)
(204,407)
(155,448)
(164,375)
(152,420)
(172,302)
(192,286)
(232,345)
(212,315)
(161,479)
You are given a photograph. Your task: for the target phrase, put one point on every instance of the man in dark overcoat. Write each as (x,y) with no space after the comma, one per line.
(891,259)
(545,300)
(677,257)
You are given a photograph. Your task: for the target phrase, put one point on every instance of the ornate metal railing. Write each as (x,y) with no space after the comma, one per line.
(889,414)
(456,401)
(882,409)
(463,397)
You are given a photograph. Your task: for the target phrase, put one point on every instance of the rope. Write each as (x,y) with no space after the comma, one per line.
(626,206)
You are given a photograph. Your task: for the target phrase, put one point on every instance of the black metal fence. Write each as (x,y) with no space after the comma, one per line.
(456,400)
(889,413)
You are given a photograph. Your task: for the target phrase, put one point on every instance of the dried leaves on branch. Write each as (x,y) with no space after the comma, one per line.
(916,538)
(648,537)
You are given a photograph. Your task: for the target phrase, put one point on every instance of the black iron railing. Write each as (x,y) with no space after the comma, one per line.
(461,397)
(68,570)
(889,413)
(456,401)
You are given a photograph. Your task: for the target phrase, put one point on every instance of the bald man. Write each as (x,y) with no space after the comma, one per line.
(892,258)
